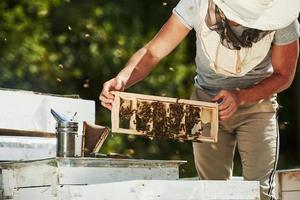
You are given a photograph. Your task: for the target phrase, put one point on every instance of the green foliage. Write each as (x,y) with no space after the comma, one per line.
(73,46)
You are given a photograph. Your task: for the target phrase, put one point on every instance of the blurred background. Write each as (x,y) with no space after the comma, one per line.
(74,46)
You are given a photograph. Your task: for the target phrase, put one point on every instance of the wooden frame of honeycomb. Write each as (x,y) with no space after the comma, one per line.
(164,117)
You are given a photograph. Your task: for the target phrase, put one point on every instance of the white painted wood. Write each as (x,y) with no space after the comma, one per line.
(85,171)
(290,181)
(169,190)
(26,148)
(39,175)
(93,175)
(288,184)
(29,111)
(26,175)
(38,193)
(113,179)
(277,187)
(291,195)
(146,190)
(8,182)
(23,110)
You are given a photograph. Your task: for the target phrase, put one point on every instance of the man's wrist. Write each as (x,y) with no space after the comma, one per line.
(240,96)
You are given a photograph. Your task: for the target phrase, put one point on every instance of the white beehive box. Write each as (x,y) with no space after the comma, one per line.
(288,184)
(145,190)
(112,179)
(23,112)
(80,171)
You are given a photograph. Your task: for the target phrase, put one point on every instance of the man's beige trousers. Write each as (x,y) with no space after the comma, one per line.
(253,129)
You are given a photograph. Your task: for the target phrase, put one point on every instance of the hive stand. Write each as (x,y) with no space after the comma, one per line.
(156,116)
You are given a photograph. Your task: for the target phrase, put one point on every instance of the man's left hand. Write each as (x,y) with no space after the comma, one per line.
(228,103)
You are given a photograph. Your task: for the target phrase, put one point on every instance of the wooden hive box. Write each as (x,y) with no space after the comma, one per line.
(288,184)
(164,117)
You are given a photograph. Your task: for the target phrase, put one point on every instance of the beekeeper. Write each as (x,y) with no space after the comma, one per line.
(247,52)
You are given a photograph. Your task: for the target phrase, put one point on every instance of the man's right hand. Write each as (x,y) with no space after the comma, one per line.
(116,84)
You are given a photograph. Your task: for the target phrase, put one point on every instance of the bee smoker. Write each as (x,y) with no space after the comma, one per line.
(66,133)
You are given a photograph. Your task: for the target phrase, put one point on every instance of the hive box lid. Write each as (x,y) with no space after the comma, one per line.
(30,111)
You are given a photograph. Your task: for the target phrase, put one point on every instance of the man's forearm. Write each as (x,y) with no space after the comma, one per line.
(145,59)
(284,62)
(138,66)
(266,88)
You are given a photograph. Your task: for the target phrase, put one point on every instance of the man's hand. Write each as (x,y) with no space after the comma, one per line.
(228,103)
(116,84)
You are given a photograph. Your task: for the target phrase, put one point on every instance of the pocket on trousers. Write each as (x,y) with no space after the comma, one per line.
(267,105)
